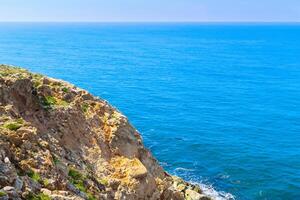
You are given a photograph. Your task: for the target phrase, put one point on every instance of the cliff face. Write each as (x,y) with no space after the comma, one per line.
(59,142)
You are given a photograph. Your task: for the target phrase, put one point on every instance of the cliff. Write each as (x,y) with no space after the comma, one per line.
(59,142)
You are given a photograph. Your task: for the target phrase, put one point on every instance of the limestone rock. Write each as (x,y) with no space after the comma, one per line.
(60,142)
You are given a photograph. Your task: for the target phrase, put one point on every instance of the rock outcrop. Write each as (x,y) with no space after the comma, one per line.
(59,142)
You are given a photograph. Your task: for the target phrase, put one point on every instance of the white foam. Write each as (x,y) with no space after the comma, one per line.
(207,189)
(211,192)
(183,169)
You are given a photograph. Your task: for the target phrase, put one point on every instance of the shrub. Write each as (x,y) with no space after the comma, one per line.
(56,84)
(63,103)
(85,107)
(6,70)
(79,185)
(50,101)
(55,160)
(65,89)
(14,125)
(91,197)
(77,179)
(103,181)
(45,182)
(39,196)
(2,194)
(37,80)
(35,176)
(43,197)
(74,174)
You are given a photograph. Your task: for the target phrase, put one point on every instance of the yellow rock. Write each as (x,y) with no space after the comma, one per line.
(132,168)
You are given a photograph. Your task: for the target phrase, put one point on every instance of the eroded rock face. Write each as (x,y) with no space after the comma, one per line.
(59,142)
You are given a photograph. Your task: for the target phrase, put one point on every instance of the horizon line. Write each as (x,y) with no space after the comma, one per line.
(150,22)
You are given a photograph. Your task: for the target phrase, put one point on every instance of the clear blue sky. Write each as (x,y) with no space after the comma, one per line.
(150,10)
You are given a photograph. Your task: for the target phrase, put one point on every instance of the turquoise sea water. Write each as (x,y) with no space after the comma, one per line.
(218,104)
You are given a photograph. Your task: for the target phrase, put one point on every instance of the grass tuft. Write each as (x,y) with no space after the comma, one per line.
(91,197)
(85,107)
(2,194)
(103,181)
(14,125)
(65,89)
(45,182)
(34,175)
(55,160)
(49,102)
(39,196)
(74,174)
(77,179)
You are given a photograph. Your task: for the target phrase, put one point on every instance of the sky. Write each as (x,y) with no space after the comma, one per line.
(151,10)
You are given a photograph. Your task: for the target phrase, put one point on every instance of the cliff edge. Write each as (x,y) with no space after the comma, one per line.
(59,142)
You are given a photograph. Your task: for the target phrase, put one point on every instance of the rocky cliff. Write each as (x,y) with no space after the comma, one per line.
(59,142)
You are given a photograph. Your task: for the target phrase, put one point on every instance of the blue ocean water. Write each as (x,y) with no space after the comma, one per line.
(218,104)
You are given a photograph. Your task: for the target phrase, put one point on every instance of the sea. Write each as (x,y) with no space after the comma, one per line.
(217,103)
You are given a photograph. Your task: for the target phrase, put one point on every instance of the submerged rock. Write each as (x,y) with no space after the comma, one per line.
(59,142)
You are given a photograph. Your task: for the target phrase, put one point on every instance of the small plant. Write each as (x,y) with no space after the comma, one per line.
(85,107)
(42,196)
(55,160)
(65,89)
(35,176)
(37,80)
(37,83)
(6,70)
(45,182)
(77,179)
(39,196)
(14,125)
(37,76)
(79,185)
(91,197)
(2,194)
(56,84)
(50,101)
(74,174)
(63,103)
(103,181)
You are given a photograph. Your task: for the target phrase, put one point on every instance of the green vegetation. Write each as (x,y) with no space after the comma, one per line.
(55,160)
(65,89)
(77,179)
(37,84)
(85,107)
(45,182)
(74,174)
(79,185)
(103,181)
(14,125)
(34,175)
(39,196)
(6,70)
(2,194)
(37,80)
(37,76)
(56,84)
(63,103)
(91,197)
(49,102)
